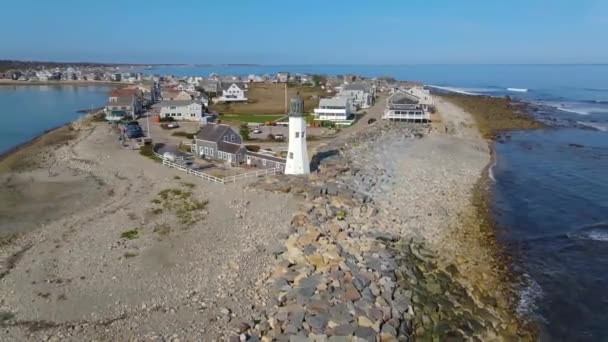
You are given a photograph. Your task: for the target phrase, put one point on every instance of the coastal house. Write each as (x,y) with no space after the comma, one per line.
(190,110)
(175,95)
(120,107)
(137,94)
(334,109)
(424,96)
(233,92)
(218,141)
(403,106)
(264,161)
(361,95)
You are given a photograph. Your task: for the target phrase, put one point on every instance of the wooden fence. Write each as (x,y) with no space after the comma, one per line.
(219,180)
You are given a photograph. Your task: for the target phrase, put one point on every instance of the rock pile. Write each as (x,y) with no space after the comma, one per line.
(346,272)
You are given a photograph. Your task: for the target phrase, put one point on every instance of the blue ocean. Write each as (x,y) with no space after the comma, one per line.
(551,185)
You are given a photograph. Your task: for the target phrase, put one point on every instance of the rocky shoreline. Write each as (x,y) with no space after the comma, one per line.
(353,267)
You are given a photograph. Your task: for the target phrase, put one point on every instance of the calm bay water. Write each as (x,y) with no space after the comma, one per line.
(551,190)
(28,111)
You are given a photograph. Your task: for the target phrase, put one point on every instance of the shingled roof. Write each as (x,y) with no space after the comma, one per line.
(212,132)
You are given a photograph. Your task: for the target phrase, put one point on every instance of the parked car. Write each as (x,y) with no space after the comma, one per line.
(371,121)
(257,131)
(279,137)
(173,125)
(134,131)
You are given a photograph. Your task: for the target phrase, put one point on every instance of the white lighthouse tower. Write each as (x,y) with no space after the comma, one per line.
(297,156)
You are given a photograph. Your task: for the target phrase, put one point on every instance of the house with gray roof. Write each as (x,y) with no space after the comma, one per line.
(189,110)
(218,141)
(334,109)
(361,94)
(403,106)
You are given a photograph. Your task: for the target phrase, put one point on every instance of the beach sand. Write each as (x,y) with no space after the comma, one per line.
(104,249)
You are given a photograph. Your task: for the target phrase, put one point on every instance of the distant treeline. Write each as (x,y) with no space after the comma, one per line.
(6,65)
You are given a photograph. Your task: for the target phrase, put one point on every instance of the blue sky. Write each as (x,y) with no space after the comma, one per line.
(307,32)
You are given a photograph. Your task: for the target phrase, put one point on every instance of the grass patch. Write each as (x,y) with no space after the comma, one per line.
(162,229)
(130,234)
(6,316)
(148,151)
(250,118)
(183,134)
(157,211)
(267,99)
(177,177)
(187,210)
(494,114)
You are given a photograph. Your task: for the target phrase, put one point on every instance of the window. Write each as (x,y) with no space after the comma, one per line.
(231,137)
(264,162)
(211,151)
(303,133)
(297,134)
(225,138)
(206,150)
(192,114)
(290,155)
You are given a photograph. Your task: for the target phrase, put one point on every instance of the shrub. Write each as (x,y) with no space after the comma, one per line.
(130,234)
(252,148)
(183,134)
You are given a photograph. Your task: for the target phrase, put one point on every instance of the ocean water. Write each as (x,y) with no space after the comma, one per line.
(28,111)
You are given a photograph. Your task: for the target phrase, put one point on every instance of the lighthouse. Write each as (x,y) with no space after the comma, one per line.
(297,156)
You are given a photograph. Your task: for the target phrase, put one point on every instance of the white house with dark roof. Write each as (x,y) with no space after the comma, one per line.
(334,109)
(190,110)
(233,92)
(403,106)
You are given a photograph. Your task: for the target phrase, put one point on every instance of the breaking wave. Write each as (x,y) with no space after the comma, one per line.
(596,232)
(529,295)
(595,125)
(518,90)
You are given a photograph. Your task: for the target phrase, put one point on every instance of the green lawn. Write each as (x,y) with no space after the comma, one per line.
(250,117)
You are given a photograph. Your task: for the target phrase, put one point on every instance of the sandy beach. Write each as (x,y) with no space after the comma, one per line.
(106,244)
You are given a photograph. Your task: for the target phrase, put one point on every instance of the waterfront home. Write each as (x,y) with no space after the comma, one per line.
(264,161)
(424,96)
(190,110)
(175,95)
(403,106)
(233,92)
(361,95)
(218,141)
(334,109)
(137,94)
(120,107)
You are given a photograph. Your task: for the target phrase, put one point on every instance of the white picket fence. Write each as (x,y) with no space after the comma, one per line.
(229,179)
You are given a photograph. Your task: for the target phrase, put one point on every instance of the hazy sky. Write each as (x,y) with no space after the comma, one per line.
(307,32)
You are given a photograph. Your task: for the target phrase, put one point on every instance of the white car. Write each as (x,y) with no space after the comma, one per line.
(279,137)
(257,131)
(173,125)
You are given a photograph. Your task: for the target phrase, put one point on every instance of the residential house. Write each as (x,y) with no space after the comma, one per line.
(233,92)
(120,107)
(403,106)
(218,141)
(179,95)
(137,94)
(282,77)
(334,109)
(186,87)
(361,95)
(424,96)
(190,110)
(210,86)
